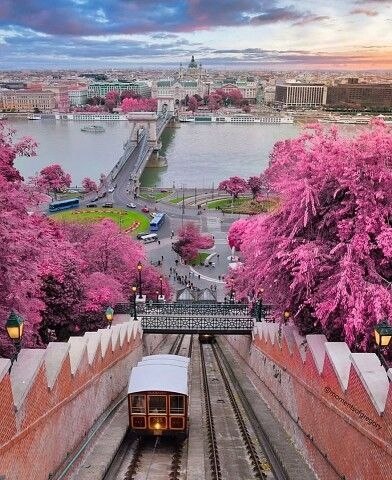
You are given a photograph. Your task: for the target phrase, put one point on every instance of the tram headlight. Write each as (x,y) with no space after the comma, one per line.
(157,426)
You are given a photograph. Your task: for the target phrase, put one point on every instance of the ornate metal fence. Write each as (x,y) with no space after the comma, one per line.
(197,324)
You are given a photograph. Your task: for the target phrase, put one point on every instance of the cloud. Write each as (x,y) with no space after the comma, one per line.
(364,11)
(101,17)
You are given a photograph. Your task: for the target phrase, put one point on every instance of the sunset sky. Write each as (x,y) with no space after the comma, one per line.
(259,34)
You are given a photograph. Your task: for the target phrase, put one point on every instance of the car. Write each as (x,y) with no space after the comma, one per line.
(91,205)
(145,209)
(131,205)
(163,190)
(107,205)
(111,190)
(95,199)
(141,234)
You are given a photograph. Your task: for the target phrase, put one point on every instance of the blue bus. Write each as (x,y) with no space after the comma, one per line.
(63,204)
(157,222)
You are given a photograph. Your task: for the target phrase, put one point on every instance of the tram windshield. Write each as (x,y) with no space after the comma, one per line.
(138,404)
(176,404)
(157,404)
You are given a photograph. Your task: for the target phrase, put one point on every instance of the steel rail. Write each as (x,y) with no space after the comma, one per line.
(212,442)
(258,469)
(277,467)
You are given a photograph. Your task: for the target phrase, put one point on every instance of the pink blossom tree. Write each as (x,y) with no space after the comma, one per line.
(139,105)
(190,241)
(111,100)
(326,253)
(89,185)
(53,180)
(255,185)
(234,186)
(193,104)
(237,231)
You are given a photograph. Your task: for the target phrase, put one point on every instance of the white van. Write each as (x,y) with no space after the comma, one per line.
(151,237)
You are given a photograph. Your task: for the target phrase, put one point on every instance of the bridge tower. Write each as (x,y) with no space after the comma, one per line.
(143,123)
(166,104)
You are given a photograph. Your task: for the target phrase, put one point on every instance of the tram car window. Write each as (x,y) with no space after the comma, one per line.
(158,396)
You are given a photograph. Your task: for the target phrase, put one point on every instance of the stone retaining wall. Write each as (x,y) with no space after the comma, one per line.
(54,395)
(335,405)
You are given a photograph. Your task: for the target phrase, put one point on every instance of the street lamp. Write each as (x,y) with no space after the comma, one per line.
(14,327)
(261,291)
(139,268)
(161,288)
(286,315)
(157,292)
(109,316)
(382,337)
(134,289)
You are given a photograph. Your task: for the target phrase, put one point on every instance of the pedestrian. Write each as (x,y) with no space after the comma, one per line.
(199,276)
(219,277)
(162,258)
(170,269)
(159,242)
(176,262)
(172,234)
(217,256)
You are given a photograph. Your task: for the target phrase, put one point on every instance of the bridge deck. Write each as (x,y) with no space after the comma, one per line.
(230,325)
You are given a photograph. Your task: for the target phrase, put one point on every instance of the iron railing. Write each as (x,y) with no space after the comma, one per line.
(196,324)
(197,308)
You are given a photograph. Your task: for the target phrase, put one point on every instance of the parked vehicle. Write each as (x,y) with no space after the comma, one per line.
(111,190)
(91,205)
(107,205)
(157,221)
(63,204)
(145,209)
(151,237)
(131,205)
(141,234)
(95,199)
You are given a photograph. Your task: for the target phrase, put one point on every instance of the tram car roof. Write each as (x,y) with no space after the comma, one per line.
(167,356)
(158,378)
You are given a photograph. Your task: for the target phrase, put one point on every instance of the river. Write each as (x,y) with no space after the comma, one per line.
(197,154)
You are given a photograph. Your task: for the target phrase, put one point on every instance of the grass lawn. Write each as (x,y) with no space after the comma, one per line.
(152,196)
(124,218)
(199,259)
(179,199)
(244,205)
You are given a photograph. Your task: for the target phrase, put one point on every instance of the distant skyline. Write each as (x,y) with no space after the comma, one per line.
(242,34)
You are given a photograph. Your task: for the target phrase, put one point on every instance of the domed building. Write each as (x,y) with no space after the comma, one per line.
(188,82)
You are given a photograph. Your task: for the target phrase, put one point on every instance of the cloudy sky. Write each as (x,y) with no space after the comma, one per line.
(260,34)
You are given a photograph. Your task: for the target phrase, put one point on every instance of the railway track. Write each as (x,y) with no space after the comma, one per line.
(235,425)
(141,458)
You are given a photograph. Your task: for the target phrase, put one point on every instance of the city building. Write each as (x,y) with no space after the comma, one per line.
(100,89)
(250,89)
(188,82)
(77,96)
(300,95)
(28,100)
(360,95)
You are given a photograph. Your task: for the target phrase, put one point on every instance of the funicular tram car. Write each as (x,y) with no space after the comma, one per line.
(158,396)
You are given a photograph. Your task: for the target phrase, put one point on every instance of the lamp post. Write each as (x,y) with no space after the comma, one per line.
(231,291)
(382,337)
(139,269)
(286,316)
(134,290)
(14,327)
(161,285)
(157,293)
(109,316)
(261,291)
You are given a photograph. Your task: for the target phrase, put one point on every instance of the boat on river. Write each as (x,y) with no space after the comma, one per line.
(34,117)
(244,118)
(93,129)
